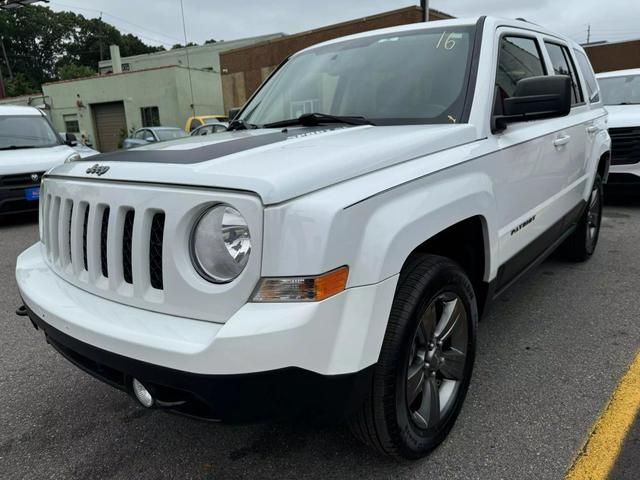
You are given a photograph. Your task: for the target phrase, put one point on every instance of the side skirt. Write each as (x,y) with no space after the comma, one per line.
(537,251)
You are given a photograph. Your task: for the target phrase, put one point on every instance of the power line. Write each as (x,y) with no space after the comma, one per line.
(120,19)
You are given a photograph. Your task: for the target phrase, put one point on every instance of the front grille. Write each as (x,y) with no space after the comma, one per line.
(127,243)
(625,145)
(85,228)
(89,233)
(104,233)
(155,252)
(21,180)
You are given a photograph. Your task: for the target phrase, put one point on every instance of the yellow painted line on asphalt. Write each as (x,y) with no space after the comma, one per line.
(599,453)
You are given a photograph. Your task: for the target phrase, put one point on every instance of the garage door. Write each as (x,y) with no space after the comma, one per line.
(110,122)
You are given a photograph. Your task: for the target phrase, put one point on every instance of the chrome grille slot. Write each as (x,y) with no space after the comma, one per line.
(54,218)
(104,232)
(85,228)
(156,240)
(127,243)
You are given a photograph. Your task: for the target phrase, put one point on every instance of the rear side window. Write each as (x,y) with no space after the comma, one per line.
(590,79)
(519,58)
(563,65)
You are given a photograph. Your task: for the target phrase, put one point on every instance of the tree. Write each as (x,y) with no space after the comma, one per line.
(72,71)
(20,85)
(211,40)
(179,45)
(40,42)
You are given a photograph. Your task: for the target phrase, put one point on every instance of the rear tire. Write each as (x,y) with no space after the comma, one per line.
(425,365)
(581,244)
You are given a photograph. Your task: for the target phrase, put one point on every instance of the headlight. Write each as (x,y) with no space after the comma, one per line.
(74,157)
(220,244)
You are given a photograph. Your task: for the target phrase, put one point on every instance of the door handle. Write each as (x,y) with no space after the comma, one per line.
(592,130)
(561,141)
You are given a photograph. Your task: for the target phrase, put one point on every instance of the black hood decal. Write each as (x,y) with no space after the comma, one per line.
(207,152)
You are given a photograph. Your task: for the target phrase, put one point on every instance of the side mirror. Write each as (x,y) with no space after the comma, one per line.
(70,139)
(233,113)
(536,98)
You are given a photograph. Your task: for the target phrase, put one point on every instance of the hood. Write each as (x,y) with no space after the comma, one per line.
(275,164)
(622,116)
(33,159)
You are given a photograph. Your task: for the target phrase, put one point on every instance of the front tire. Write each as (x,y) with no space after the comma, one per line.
(424,370)
(581,244)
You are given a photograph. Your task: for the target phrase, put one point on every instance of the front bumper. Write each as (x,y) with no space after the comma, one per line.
(338,337)
(229,398)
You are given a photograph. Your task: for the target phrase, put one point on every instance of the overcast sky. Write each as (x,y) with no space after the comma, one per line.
(158,21)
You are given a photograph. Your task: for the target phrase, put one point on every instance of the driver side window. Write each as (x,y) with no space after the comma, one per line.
(140,134)
(518,58)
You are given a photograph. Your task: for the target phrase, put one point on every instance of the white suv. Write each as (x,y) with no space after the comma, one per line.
(28,148)
(621,95)
(336,248)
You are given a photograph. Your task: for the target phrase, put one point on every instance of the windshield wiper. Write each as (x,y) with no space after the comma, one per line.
(18,147)
(315,119)
(241,125)
(628,103)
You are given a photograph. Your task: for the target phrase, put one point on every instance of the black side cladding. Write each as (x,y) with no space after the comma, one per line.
(155,251)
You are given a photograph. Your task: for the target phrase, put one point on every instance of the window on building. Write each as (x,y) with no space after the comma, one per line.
(71,123)
(150,116)
(563,65)
(589,76)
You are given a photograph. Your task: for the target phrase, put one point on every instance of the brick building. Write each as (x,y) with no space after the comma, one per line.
(244,69)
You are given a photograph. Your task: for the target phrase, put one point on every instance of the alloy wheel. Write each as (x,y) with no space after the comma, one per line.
(437,361)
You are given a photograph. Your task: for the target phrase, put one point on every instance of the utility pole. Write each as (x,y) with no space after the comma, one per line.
(589,34)
(425,10)
(6,60)
(2,92)
(186,49)
(100,38)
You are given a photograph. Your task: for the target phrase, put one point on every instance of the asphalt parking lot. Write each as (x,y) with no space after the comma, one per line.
(550,354)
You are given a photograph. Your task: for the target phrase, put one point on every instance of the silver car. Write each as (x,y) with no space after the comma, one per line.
(145,136)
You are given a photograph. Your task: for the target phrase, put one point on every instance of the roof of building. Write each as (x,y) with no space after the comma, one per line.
(11,110)
(221,46)
(116,75)
(433,12)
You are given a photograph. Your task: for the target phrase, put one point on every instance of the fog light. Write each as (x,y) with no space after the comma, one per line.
(142,394)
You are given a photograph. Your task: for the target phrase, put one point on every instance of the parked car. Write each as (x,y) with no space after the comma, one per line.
(335,250)
(28,148)
(621,94)
(145,136)
(210,128)
(83,150)
(198,121)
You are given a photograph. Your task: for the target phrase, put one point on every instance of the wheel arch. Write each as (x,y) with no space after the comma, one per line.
(467,243)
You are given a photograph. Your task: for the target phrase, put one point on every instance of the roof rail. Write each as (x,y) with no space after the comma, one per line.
(527,21)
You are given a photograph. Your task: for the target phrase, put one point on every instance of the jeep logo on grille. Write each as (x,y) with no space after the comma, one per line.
(98,170)
(35,177)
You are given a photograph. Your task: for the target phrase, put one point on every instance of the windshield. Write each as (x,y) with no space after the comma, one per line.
(27,131)
(170,134)
(393,79)
(621,90)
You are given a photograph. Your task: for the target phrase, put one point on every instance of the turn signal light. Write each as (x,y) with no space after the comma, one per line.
(302,289)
